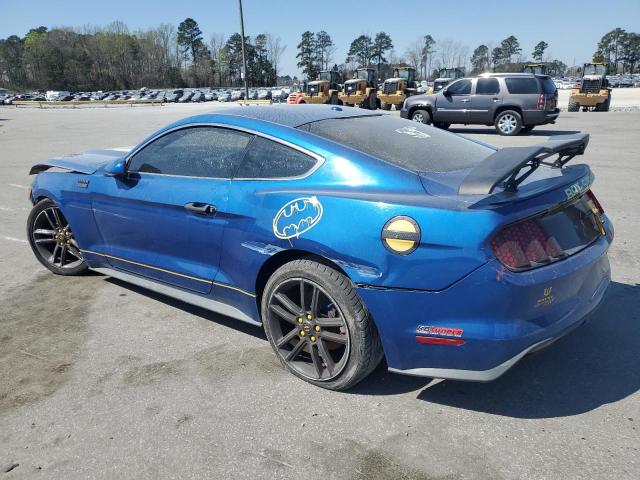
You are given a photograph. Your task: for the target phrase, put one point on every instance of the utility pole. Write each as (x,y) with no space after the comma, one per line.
(244,58)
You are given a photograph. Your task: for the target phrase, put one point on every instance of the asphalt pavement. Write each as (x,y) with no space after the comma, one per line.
(99,379)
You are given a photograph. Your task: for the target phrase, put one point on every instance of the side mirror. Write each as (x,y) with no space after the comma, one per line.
(117,168)
(445,92)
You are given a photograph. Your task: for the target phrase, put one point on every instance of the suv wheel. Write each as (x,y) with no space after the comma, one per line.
(421,116)
(573,106)
(508,122)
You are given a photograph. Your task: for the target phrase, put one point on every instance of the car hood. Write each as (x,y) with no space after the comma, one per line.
(87,162)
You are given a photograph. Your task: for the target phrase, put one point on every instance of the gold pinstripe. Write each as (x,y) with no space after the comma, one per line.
(218,284)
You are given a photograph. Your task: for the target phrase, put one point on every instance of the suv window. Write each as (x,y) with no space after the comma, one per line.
(487,86)
(410,145)
(269,159)
(460,87)
(548,85)
(193,152)
(521,85)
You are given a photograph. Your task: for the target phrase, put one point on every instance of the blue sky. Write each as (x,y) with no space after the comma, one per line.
(572,28)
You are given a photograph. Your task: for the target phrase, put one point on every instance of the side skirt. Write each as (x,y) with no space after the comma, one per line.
(187,297)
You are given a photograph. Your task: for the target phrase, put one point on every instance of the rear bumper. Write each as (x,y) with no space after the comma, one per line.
(540,117)
(500,316)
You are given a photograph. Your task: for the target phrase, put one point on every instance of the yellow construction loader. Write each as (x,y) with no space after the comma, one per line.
(395,90)
(445,76)
(535,68)
(323,90)
(594,92)
(360,90)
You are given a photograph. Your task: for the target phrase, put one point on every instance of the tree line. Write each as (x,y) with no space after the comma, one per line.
(113,58)
(316,52)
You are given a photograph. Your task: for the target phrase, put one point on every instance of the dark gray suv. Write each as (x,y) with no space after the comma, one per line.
(512,102)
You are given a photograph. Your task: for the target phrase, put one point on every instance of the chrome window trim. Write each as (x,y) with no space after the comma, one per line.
(319,158)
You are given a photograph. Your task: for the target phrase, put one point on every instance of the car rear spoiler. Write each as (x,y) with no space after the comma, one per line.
(502,168)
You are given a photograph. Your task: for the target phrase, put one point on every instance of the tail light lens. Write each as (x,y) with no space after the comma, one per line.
(551,236)
(541,102)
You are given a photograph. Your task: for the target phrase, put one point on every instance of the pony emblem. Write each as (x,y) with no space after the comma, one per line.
(413,132)
(296,217)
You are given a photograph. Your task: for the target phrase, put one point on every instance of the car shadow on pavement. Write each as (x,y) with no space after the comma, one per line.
(532,133)
(597,364)
(229,322)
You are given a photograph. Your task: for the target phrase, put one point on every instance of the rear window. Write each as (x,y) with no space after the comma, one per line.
(548,85)
(487,86)
(522,85)
(410,145)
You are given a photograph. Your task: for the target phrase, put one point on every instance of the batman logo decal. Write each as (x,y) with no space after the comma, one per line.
(296,217)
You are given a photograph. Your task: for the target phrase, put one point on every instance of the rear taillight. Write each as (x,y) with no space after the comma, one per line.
(541,102)
(551,236)
(595,201)
(525,245)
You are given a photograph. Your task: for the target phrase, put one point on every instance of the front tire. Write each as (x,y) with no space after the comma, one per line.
(421,116)
(508,123)
(573,106)
(52,240)
(318,326)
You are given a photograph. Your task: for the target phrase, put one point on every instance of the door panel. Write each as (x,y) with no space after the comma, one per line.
(454,107)
(148,230)
(166,219)
(485,100)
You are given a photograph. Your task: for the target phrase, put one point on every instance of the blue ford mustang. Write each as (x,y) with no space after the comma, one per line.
(348,235)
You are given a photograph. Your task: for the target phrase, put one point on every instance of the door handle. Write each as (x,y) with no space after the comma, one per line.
(495,99)
(465,100)
(200,208)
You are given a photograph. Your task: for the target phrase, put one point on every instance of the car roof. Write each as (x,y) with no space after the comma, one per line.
(294,115)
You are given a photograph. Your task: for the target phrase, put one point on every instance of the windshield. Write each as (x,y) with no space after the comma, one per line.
(591,69)
(326,76)
(362,74)
(450,73)
(402,73)
(414,146)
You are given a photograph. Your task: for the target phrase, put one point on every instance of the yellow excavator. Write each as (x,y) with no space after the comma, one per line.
(360,90)
(394,91)
(594,92)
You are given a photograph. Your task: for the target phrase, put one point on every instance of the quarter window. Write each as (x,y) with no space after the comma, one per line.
(193,152)
(487,86)
(460,87)
(269,159)
(522,85)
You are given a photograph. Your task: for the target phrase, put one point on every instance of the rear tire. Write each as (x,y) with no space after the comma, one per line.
(340,345)
(421,116)
(52,240)
(573,106)
(604,106)
(508,123)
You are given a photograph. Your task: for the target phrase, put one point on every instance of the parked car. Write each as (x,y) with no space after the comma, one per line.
(264,95)
(348,234)
(512,103)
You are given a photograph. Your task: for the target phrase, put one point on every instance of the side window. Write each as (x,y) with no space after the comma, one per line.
(487,86)
(521,85)
(193,152)
(268,159)
(460,87)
